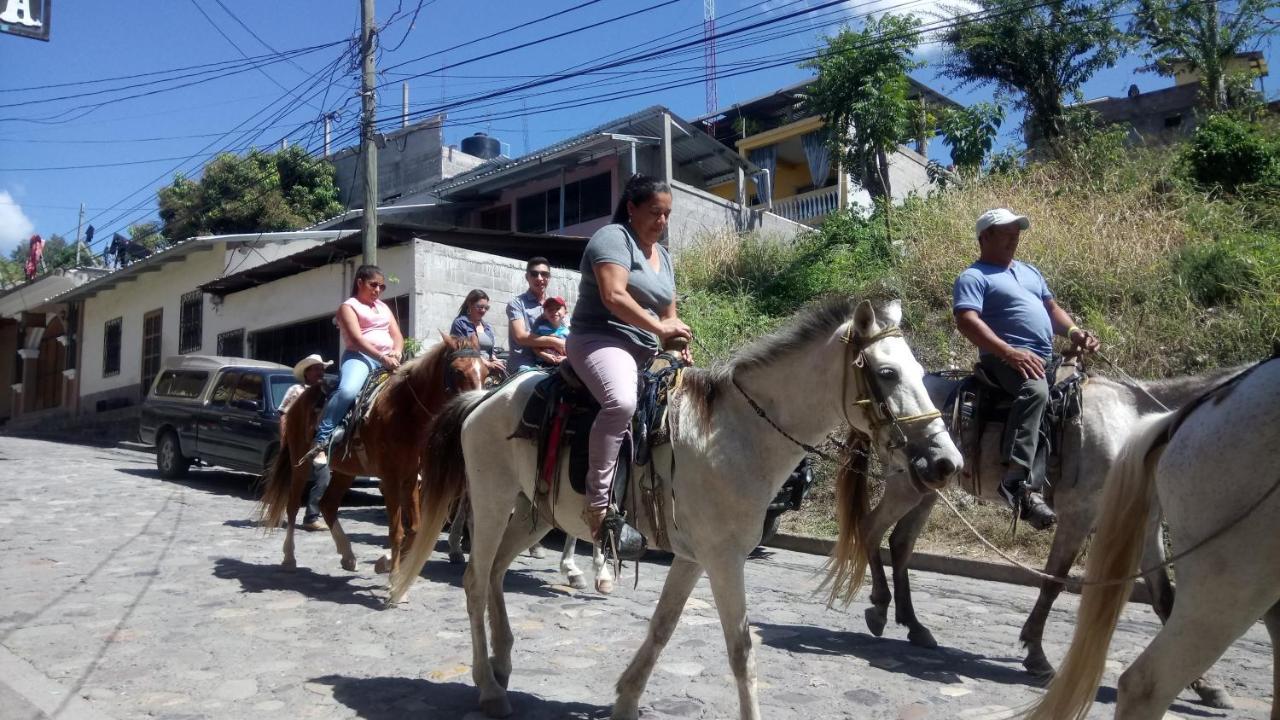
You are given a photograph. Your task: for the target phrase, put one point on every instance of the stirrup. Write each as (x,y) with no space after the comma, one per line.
(621,541)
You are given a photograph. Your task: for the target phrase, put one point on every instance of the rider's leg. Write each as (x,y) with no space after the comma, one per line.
(1022,438)
(355,370)
(610,372)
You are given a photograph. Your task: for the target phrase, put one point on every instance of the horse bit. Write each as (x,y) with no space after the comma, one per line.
(879,414)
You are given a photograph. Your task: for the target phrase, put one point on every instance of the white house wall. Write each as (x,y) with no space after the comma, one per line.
(446,274)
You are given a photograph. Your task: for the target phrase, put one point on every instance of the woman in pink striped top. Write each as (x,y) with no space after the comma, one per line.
(371,340)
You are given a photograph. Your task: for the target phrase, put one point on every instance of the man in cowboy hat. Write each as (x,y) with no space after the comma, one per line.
(1005,307)
(309,371)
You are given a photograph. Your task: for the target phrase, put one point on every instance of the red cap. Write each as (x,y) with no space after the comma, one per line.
(555,300)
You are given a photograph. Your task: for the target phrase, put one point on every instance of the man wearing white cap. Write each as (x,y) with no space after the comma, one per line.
(1005,307)
(309,372)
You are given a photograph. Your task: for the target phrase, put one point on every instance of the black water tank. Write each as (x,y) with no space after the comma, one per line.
(482,146)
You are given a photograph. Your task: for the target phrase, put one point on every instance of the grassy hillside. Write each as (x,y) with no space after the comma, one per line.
(1175,276)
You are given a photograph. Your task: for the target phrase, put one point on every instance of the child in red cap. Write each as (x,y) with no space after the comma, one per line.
(552,322)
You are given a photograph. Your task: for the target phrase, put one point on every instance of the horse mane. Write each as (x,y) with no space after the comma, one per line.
(816,320)
(428,370)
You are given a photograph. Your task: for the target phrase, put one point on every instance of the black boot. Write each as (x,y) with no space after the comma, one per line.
(1029,504)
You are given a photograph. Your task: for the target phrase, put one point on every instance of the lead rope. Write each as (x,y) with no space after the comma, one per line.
(1129,379)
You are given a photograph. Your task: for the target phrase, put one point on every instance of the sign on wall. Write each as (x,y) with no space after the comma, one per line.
(27,18)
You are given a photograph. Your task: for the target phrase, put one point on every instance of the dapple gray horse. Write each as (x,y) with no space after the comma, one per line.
(1090,445)
(1213,473)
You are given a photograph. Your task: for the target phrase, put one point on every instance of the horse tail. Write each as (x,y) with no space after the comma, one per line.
(847,566)
(444,478)
(276,485)
(1116,550)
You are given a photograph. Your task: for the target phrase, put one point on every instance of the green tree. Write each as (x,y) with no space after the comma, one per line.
(1201,36)
(861,94)
(970,133)
(1043,51)
(261,191)
(147,234)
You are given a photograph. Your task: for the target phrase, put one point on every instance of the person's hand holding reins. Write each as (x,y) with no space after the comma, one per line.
(673,327)
(1084,340)
(390,360)
(1025,362)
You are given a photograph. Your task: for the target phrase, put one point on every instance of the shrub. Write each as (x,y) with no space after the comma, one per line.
(1228,152)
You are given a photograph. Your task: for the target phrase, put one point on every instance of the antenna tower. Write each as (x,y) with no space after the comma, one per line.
(709,52)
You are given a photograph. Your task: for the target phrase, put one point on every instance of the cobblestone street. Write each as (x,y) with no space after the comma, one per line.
(123,595)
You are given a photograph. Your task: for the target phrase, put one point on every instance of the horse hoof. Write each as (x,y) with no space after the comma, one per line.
(921,637)
(457,558)
(289,564)
(876,617)
(349,564)
(578,581)
(620,713)
(496,707)
(604,586)
(1213,696)
(382,565)
(537,552)
(1037,665)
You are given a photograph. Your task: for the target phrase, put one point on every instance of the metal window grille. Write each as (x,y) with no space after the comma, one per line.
(111,347)
(190,322)
(231,344)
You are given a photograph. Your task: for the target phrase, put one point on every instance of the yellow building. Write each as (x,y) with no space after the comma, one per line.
(802,182)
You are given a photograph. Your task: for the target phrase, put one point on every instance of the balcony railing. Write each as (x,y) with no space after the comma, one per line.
(808,208)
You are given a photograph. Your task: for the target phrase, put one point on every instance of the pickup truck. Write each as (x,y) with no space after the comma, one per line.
(215,410)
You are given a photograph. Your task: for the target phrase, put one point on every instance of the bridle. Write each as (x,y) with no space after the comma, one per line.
(879,415)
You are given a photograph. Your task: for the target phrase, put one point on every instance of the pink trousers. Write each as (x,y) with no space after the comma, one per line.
(609,367)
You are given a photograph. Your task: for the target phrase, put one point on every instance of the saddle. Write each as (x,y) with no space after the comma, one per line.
(558,418)
(978,405)
(348,431)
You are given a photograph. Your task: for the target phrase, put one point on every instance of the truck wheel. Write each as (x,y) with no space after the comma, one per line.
(772,520)
(169,458)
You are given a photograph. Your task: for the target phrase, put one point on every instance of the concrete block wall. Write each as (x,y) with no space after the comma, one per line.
(695,213)
(445,274)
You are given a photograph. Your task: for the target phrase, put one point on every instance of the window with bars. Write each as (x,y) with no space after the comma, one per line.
(152,328)
(190,322)
(231,344)
(73,336)
(111,347)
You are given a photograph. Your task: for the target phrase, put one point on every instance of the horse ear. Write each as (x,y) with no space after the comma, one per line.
(864,320)
(891,313)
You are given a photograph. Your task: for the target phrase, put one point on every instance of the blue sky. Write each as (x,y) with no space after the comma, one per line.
(156,134)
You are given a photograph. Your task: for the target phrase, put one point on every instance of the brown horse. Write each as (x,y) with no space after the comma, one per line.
(393,440)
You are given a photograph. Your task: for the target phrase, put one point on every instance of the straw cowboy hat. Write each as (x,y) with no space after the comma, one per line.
(300,370)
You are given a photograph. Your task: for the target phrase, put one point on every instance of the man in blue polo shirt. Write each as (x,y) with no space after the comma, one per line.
(1005,308)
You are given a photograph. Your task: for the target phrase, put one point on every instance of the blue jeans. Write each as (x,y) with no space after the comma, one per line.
(355,369)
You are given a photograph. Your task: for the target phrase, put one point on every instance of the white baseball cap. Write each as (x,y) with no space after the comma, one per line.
(300,370)
(1000,216)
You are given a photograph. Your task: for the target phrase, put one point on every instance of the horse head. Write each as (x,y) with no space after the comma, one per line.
(467,368)
(885,390)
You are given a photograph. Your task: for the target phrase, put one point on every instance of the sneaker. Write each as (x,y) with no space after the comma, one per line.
(315,524)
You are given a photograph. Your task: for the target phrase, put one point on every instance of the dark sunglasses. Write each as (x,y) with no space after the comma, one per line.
(483,308)
(376,285)
(541,273)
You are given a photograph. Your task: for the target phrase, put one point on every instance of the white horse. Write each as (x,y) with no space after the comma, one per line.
(1108,412)
(1212,470)
(568,566)
(834,362)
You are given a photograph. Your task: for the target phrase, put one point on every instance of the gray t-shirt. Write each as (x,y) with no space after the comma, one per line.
(653,291)
(527,308)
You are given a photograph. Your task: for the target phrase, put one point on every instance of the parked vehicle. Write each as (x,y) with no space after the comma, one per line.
(215,410)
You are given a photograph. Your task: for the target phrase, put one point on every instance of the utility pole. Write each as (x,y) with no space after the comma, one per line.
(79,224)
(367,128)
(404,104)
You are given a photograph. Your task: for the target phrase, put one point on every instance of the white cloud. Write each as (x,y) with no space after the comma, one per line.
(15,226)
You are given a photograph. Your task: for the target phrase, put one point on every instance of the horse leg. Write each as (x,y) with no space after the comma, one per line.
(1199,630)
(392,498)
(1272,619)
(1072,529)
(329,505)
(899,498)
(681,579)
(901,544)
(1160,586)
(524,528)
(297,484)
(728,587)
(568,567)
(457,527)
(490,519)
(602,569)
(537,552)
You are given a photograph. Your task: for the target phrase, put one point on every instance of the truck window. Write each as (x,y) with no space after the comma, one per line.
(249,389)
(225,387)
(181,383)
(280,385)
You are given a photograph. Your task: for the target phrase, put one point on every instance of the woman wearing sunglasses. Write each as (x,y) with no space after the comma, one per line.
(470,321)
(371,340)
